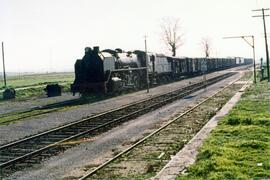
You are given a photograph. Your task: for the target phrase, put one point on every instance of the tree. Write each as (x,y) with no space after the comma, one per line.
(206,46)
(171,34)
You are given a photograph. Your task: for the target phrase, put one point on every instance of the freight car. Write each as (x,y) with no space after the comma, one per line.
(116,70)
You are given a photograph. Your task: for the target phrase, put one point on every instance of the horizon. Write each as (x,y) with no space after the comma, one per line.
(14,73)
(48,36)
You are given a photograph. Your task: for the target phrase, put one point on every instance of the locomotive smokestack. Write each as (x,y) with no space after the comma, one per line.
(87,50)
(96,49)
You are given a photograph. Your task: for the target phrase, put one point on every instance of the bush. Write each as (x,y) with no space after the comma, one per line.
(233,121)
(9,93)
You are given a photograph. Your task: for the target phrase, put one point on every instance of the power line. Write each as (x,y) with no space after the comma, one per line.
(265,36)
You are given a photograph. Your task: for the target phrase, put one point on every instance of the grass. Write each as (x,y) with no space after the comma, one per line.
(259,73)
(13,117)
(247,75)
(239,148)
(23,94)
(36,79)
(35,83)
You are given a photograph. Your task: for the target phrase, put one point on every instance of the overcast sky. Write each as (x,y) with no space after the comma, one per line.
(49,35)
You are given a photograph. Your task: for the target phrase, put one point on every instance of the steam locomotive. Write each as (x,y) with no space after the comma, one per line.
(116,70)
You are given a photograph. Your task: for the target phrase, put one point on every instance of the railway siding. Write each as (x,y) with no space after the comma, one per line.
(239,147)
(148,158)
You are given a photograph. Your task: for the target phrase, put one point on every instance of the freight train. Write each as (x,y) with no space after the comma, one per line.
(115,70)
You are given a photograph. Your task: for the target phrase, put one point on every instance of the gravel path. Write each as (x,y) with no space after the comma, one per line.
(74,162)
(30,126)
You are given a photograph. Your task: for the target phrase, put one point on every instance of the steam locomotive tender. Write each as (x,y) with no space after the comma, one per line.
(115,70)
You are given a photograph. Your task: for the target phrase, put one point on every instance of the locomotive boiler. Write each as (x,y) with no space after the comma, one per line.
(108,70)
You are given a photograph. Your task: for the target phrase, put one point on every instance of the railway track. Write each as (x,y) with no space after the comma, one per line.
(13,116)
(148,156)
(33,149)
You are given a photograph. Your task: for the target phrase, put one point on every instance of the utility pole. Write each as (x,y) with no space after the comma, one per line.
(253,48)
(204,69)
(265,36)
(4,70)
(146,61)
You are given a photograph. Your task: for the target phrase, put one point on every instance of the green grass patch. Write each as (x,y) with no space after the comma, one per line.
(37,79)
(23,94)
(13,117)
(247,76)
(239,148)
(28,86)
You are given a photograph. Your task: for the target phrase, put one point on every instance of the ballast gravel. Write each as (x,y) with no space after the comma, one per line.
(34,125)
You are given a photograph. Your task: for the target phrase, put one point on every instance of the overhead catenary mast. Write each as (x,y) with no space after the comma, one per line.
(252,44)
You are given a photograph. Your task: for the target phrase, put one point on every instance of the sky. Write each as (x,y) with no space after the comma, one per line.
(49,35)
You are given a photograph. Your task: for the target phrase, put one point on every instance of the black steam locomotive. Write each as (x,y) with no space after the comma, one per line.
(116,70)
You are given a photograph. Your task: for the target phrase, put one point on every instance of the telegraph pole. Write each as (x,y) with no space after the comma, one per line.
(265,36)
(146,61)
(253,48)
(4,70)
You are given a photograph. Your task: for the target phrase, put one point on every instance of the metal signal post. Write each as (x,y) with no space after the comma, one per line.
(4,71)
